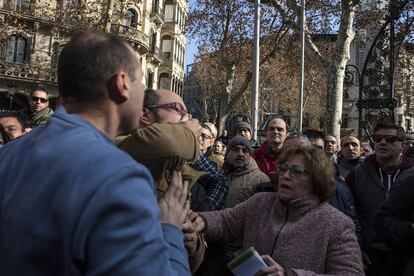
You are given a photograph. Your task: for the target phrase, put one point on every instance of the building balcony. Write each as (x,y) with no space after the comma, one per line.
(154,55)
(157,15)
(27,72)
(137,39)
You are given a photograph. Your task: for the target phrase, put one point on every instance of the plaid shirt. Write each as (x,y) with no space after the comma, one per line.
(213,181)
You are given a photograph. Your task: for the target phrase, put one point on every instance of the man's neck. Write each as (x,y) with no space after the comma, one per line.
(387,163)
(107,122)
(274,147)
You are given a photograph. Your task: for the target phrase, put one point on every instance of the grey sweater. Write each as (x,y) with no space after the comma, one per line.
(306,236)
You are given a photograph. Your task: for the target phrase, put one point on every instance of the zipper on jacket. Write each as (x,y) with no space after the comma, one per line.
(280,230)
(388,186)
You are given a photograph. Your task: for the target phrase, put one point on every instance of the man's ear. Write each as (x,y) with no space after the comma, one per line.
(146,117)
(119,88)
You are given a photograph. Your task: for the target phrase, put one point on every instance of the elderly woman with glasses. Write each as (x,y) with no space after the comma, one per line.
(295,230)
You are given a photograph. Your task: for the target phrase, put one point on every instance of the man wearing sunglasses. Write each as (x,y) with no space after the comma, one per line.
(39,108)
(372,182)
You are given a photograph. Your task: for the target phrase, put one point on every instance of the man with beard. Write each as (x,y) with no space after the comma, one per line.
(266,156)
(372,182)
(241,171)
(351,155)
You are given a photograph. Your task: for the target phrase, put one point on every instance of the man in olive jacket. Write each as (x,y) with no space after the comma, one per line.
(164,147)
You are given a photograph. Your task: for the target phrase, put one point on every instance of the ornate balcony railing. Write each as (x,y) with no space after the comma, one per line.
(29,72)
(135,37)
(155,54)
(157,14)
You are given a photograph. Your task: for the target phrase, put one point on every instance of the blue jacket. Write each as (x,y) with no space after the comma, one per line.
(71,203)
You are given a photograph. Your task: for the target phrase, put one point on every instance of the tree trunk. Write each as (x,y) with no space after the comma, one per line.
(224,101)
(335,90)
(223,113)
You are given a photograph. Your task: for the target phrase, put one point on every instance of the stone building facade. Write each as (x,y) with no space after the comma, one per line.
(32,33)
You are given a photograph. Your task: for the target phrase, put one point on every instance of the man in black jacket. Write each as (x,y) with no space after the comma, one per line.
(372,183)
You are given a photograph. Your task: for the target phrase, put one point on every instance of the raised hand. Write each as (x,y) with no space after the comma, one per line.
(174,205)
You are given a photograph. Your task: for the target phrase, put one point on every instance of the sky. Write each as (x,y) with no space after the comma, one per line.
(191,47)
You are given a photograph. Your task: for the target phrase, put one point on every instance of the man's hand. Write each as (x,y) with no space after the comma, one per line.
(190,236)
(198,223)
(174,205)
(272,269)
(194,126)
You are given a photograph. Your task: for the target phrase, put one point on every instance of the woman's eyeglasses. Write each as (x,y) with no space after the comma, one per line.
(293,171)
(176,106)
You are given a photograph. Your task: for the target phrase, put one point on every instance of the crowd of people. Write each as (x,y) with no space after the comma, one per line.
(121,180)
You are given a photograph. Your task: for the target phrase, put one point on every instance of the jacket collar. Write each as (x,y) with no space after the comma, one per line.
(296,208)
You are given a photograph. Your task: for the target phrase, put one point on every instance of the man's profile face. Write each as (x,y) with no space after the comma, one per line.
(12,127)
(350,148)
(407,144)
(169,114)
(331,146)
(131,109)
(276,131)
(238,156)
(38,100)
(205,139)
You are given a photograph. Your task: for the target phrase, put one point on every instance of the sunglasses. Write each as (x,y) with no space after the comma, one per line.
(388,138)
(36,99)
(293,171)
(176,106)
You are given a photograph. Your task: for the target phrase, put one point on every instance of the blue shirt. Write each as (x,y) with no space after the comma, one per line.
(71,203)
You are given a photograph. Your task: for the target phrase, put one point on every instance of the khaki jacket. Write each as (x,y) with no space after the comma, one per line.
(163,148)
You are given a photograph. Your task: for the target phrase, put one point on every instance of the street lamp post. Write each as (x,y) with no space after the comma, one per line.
(302,66)
(256,59)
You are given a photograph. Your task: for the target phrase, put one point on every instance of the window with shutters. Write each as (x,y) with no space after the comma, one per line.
(164,82)
(16,49)
(168,11)
(166,46)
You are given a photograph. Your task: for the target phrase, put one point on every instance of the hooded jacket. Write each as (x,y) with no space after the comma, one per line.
(371,186)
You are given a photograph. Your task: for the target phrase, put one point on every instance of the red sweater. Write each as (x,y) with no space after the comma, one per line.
(266,161)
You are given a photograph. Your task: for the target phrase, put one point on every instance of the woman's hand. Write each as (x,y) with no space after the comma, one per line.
(273,268)
(197,221)
(190,236)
